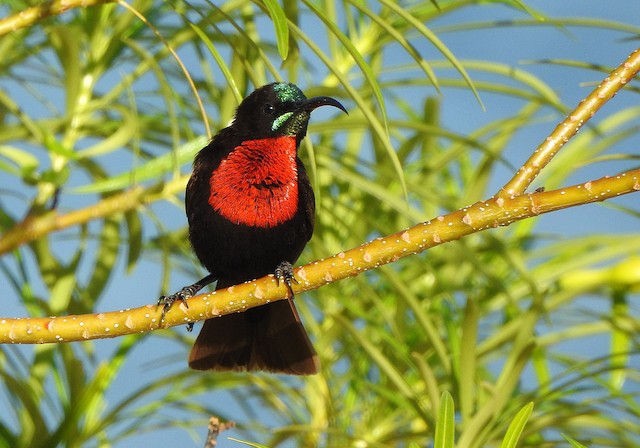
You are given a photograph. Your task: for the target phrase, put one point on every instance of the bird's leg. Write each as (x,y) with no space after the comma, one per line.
(183,295)
(284,272)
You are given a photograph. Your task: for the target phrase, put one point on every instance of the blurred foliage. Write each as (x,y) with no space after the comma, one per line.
(451,347)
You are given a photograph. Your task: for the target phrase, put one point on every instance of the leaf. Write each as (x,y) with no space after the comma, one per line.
(94,397)
(431,37)
(26,404)
(134,246)
(105,259)
(55,147)
(367,70)
(67,45)
(380,129)
(115,141)
(468,357)
(25,161)
(385,364)
(153,169)
(574,443)
(534,13)
(279,19)
(621,344)
(445,425)
(219,60)
(252,444)
(402,40)
(514,431)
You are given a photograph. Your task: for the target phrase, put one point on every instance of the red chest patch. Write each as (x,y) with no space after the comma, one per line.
(257,183)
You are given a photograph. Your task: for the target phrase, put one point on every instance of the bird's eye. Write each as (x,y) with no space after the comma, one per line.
(268,109)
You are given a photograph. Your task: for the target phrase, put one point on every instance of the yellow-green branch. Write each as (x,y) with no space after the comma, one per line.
(34,227)
(29,16)
(477,217)
(616,80)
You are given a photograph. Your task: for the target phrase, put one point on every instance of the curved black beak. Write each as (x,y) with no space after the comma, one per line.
(315,102)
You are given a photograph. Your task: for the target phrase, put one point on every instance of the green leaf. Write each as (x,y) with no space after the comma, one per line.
(380,129)
(468,357)
(279,19)
(445,425)
(574,443)
(244,442)
(385,364)
(105,259)
(56,177)
(431,37)
(134,246)
(402,40)
(514,431)
(219,60)
(153,169)
(367,70)
(25,161)
(55,147)
(621,337)
(115,141)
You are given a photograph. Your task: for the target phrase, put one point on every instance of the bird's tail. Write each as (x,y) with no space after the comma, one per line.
(270,337)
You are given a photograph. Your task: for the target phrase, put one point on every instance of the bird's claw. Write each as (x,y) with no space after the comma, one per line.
(182,295)
(168,301)
(284,272)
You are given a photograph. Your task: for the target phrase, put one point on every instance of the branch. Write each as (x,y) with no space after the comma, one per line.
(483,215)
(34,227)
(571,125)
(31,15)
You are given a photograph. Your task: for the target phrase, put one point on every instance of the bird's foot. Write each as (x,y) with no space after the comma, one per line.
(182,295)
(284,272)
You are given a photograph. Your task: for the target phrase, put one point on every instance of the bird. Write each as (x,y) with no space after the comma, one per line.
(251,210)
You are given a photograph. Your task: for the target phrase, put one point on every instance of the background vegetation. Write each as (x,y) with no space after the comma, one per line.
(107,104)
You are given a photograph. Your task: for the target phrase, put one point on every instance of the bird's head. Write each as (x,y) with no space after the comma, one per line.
(278,110)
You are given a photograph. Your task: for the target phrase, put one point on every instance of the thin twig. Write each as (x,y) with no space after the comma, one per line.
(215,428)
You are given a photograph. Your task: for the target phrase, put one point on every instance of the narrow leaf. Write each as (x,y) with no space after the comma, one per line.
(254,445)
(514,431)
(431,37)
(153,169)
(445,426)
(280,24)
(574,443)
(134,230)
